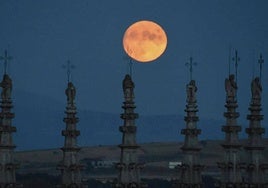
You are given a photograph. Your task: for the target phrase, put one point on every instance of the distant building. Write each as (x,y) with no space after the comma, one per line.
(103,164)
(173,164)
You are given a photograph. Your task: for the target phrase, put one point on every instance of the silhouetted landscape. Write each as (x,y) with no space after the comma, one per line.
(39,166)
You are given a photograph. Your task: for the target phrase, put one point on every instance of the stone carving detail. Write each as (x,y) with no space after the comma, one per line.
(128,87)
(6,84)
(191,91)
(256,89)
(70,93)
(230,88)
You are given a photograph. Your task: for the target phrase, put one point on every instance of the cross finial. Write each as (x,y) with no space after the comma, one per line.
(130,67)
(261,61)
(229,60)
(191,64)
(253,65)
(6,58)
(236,59)
(68,66)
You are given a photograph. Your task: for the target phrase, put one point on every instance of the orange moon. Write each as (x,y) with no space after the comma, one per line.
(144,41)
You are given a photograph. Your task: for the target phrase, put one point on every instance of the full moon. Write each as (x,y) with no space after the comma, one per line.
(144,41)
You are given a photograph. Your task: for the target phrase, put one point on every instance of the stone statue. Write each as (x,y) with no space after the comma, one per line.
(230,88)
(70,93)
(191,91)
(128,86)
(6,84)
(256,88)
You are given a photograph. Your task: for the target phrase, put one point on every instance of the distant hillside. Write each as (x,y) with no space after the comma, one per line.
(39,123)
(156,156)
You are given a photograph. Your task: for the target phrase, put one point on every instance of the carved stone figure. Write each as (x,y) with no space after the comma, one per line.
(230,88)
(191,91)
(70,93)
(128,87)
(256,88)
(6,85)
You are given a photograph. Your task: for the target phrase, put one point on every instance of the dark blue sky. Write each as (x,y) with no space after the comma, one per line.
(42,35)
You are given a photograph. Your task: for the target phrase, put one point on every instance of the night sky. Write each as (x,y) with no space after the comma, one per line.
(42,35)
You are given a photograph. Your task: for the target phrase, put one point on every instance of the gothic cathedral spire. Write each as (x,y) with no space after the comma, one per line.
(7,165)
(256,167)
(190,169)
(231,165)
(70,167)
(129,168)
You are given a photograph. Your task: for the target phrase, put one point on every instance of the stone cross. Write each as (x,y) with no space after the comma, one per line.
(236,59)
(130,66)
(261,61)
(190,64)
(68,66)
(6,58)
